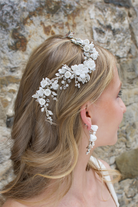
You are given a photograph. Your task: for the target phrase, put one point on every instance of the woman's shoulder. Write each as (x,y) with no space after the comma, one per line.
(12,203)
(70,200)
(74,204)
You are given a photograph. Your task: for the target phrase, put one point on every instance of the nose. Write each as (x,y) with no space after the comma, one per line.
(123,106)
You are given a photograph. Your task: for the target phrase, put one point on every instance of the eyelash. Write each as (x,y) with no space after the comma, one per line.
(119,94)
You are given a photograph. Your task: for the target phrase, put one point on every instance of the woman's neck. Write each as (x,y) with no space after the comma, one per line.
(81,177)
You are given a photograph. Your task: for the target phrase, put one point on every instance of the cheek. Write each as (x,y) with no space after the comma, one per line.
(108,110)
(115,114)
(119,110)
(110,114)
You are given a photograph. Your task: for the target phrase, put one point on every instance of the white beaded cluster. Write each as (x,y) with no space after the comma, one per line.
(87,46)
(48,87)
(92,139)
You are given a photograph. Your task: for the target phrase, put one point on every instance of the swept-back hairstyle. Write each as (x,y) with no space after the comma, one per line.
(41,151)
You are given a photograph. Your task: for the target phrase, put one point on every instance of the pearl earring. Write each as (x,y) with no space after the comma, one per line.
(92,138)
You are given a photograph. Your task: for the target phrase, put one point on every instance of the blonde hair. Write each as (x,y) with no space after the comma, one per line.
(42,151)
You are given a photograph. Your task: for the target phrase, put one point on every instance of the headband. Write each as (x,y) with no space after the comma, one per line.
(48,87)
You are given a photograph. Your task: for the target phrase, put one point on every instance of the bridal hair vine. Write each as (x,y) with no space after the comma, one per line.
(48,87)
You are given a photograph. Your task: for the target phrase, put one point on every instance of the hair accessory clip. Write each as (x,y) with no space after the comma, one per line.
(48,87)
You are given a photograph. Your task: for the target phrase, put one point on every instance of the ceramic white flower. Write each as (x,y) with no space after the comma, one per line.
(87,77)
(90,64)
(92,137)
(40,92)
(47,92)
(86,48)
(61,71)
(86,41)
(67,74)
(44,82)
(41,101)
(94,50)
(94,56)
(85,69)
(74,67)
(81,67)
(55,86)
(82,75)
(91,46)
(94,127)
(78,70)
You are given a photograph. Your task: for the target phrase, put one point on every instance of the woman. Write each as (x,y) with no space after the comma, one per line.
(68,104)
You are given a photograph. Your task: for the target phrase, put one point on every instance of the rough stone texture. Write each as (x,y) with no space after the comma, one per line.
(112,23)
(134,28)
(127,164)
(127,192)
(110,27)
(124,3)
(6,172)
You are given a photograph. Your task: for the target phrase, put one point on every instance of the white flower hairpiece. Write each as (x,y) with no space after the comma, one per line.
(48,87)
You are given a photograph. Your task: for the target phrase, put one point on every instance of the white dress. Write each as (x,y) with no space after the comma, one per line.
(100,165)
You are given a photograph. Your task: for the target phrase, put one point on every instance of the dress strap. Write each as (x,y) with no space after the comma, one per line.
(109,184)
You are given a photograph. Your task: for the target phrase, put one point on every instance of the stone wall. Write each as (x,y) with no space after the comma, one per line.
(114,25)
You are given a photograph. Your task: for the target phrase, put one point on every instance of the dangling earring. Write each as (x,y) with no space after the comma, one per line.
(92,138)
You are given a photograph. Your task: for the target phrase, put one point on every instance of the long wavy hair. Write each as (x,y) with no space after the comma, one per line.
(41,151)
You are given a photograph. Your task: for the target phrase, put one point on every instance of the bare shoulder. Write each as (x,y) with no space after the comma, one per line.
(105,164)
(12,203)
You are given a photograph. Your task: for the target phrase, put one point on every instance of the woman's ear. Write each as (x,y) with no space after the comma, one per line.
(85,116)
